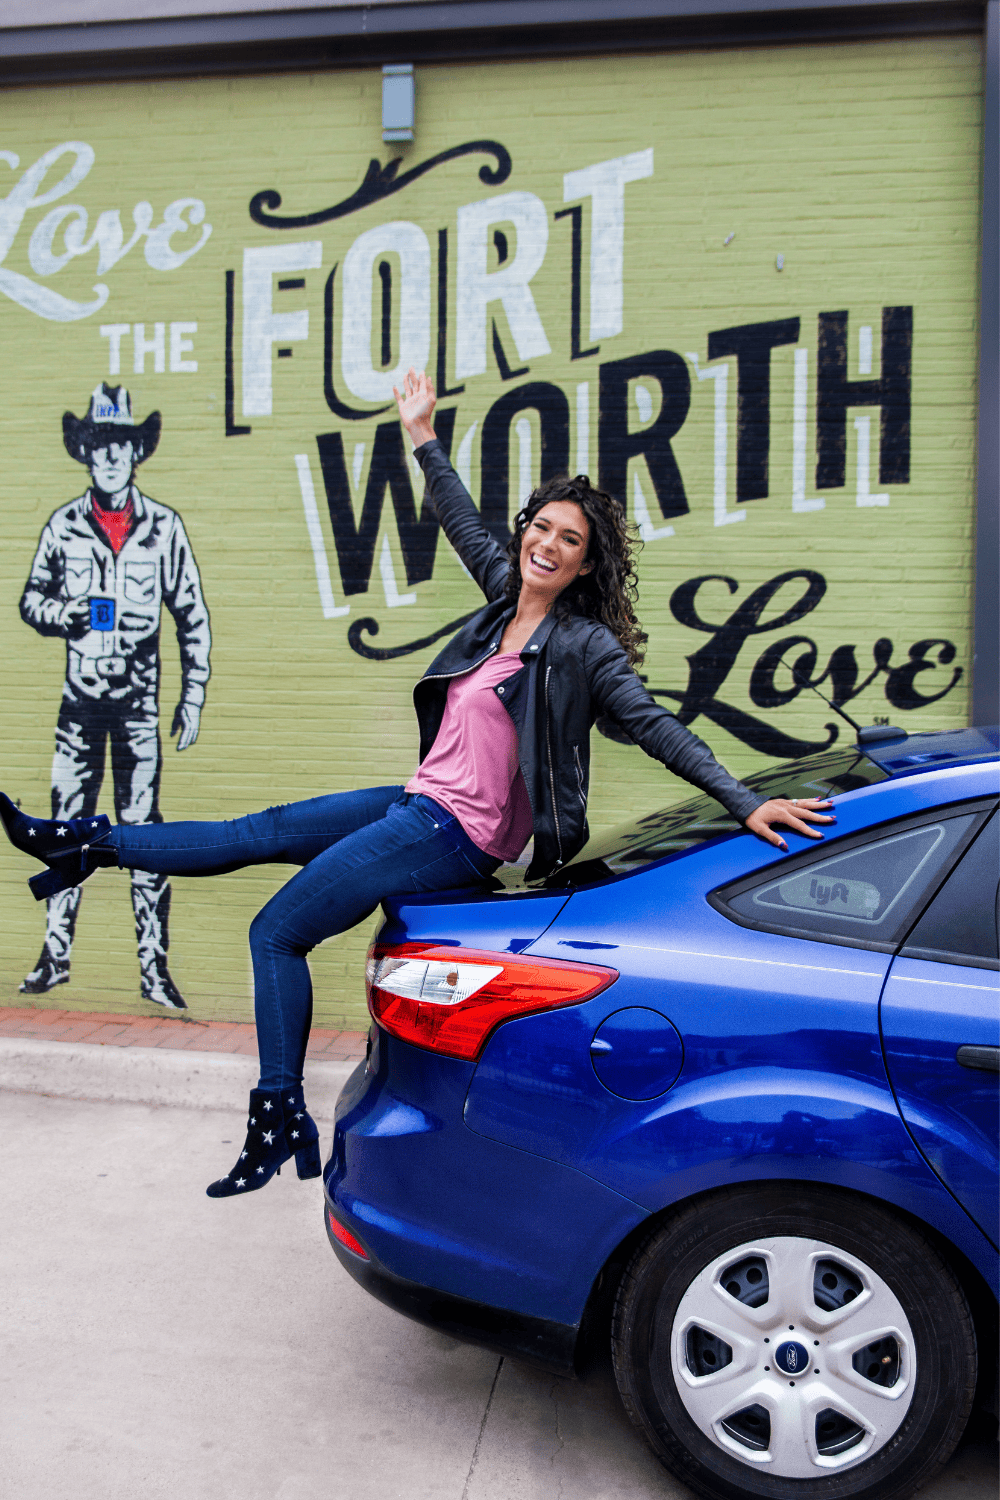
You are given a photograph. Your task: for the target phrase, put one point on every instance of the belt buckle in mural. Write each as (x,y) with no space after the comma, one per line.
(111,666)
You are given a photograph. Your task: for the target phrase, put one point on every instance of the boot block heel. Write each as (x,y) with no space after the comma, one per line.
(51,882)
(307,1160)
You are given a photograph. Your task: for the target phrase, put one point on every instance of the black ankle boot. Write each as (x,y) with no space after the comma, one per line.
(301,1133)
(278,1127)
(71,847)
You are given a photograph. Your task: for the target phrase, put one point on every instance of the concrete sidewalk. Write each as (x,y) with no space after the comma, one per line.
(147,1075)
(155,1343)
(146,1060)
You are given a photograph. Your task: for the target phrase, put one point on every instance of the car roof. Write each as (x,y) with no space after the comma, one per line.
(904,754)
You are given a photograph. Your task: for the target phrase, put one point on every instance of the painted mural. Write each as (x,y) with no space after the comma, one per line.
(737,288)
(108,564)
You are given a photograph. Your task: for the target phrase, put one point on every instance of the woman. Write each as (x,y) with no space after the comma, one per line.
(504,713)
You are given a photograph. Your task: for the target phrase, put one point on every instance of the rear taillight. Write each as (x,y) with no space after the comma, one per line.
(449,1000)
(345,1236)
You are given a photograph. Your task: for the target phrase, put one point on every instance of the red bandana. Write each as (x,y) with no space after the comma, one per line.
(116,524)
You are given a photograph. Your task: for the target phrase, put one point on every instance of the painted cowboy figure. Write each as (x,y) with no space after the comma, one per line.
(106,564)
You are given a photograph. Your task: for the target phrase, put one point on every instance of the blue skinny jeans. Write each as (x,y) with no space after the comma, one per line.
(354,849)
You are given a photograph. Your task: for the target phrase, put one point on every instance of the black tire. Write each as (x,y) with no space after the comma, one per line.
(646,1327)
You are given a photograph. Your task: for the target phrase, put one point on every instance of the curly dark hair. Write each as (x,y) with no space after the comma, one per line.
(609,591)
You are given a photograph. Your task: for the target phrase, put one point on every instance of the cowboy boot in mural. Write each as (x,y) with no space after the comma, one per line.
(151,905)
(52,967)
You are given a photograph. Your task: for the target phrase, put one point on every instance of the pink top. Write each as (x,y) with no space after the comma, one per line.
(472,768)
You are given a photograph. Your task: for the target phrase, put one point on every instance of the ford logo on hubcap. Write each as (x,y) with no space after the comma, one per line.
(791,1358)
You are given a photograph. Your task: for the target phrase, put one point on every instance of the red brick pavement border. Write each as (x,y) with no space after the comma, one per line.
(180,1033)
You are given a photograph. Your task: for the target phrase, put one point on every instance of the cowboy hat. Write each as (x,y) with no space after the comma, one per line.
(110,420)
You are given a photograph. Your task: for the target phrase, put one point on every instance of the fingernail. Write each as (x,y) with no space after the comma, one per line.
(785,847)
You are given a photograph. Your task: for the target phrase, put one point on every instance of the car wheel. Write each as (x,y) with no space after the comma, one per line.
(783,1340)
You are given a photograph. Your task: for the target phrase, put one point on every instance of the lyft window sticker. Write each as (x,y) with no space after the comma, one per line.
(834,887)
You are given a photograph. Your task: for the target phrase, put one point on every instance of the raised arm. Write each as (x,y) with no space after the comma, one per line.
(485,559)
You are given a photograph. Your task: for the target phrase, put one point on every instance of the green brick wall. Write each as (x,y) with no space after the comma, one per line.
(858,164)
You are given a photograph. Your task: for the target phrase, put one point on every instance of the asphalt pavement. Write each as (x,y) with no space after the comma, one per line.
(158,1343)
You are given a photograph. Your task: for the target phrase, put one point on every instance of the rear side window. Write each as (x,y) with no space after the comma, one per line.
(863,893)
(960,925)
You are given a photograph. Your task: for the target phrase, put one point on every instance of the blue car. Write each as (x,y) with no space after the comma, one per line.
(731,1109)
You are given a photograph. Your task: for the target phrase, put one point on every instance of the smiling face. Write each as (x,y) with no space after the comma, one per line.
(554,549)
(111,468)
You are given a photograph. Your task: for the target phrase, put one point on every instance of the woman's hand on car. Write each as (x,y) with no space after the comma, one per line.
(792,812)
(416,404)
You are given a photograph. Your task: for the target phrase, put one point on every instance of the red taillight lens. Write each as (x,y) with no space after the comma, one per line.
(449,1000)
(345,1236)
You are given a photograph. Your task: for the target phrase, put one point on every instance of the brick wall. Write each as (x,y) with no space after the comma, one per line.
(782,185)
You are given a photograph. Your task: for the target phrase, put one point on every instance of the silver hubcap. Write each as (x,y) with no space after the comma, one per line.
(793,1356)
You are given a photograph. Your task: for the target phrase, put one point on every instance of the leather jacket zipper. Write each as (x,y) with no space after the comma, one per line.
(449,676)
(579,776)
(552,777)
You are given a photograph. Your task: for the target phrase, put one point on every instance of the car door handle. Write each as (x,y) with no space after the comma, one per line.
(986,1059)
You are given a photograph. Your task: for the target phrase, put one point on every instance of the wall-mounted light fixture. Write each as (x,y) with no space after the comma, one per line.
(397,102)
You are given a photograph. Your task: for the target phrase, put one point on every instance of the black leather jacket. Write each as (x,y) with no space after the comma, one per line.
(573,673)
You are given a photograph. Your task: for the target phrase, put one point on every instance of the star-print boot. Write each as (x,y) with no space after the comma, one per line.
(71,847)
(301,1133)
(270,1143)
